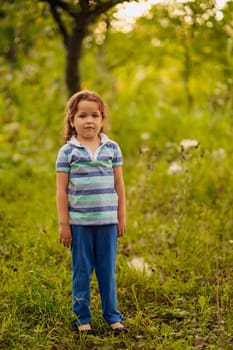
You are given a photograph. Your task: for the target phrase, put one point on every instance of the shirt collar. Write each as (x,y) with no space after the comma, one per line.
(74,141)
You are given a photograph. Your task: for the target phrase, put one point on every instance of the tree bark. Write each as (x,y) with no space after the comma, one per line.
(73,56)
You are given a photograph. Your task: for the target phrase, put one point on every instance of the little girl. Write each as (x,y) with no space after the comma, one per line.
(91,207)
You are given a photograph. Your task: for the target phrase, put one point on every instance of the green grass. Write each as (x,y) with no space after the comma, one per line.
(180,224)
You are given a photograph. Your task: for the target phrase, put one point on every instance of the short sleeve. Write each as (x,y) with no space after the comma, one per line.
(62,162)
(118,157)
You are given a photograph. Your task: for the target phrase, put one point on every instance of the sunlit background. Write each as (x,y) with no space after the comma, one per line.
(128,12)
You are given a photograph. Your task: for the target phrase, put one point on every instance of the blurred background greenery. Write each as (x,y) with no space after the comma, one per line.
(167,80)
(174,61)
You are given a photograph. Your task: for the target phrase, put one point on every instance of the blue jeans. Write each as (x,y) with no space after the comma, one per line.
(94,247)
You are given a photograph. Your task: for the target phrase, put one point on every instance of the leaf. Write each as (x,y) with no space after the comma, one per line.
(202,301)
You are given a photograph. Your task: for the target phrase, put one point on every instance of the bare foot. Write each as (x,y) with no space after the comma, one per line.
(116,325)
(84,327)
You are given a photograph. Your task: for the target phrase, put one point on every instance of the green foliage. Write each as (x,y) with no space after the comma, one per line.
(179,193)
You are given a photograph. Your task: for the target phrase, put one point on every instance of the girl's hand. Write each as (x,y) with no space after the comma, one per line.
(121,228)
(65,235)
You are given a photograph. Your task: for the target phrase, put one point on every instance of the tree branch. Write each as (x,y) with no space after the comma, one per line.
(69,9)
(102,7)
(53,4)
(60,24)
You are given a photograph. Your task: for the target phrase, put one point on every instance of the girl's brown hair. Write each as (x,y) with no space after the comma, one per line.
(72,108)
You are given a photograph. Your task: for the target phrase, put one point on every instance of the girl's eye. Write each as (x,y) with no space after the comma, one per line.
(82,116)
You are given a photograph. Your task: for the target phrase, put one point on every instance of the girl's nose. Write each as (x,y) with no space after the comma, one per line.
(89,118)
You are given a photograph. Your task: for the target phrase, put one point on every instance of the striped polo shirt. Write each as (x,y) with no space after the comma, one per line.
(91,193)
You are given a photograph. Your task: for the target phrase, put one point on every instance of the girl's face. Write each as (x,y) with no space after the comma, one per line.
(88,120)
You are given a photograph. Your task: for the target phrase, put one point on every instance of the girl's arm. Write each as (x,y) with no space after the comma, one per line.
(62,209)
(120,189)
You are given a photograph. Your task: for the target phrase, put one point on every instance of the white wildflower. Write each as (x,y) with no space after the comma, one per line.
(145,135)
(174,168)
(219,154)
(144,149)
(140,265)
(11,128)
(186,143)
(16,157)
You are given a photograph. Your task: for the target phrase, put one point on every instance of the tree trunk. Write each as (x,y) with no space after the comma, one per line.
(73,56)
